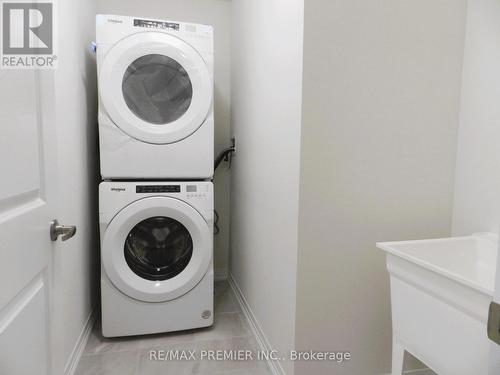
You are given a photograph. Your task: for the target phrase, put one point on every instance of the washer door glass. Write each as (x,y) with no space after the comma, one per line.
(158,248)
(157,89)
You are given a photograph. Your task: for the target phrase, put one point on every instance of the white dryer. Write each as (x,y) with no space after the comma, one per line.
(155,83)
(156,256)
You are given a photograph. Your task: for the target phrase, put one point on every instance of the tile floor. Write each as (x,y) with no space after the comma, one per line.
(130,356)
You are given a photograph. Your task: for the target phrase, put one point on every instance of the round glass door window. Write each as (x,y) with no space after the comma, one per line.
(158,248)
(157,89)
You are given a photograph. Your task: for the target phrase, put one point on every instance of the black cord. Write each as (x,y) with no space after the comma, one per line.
(226,155)
(223,155)
(216,221)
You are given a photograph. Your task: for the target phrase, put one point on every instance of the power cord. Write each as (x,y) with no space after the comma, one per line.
(216,222)
(225,155)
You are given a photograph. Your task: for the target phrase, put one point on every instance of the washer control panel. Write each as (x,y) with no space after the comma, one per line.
(147,189)
(196,191)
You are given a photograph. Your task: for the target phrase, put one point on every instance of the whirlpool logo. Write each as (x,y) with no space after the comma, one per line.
(28,35)
(118,189)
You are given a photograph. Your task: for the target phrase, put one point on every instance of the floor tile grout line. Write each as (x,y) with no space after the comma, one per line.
(227,312)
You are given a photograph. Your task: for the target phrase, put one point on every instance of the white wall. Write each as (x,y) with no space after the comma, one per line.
(76,261)
(266,111)
(379,132)
(477,188)
(218,14)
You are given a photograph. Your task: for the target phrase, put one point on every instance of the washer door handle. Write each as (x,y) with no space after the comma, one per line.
(56,230)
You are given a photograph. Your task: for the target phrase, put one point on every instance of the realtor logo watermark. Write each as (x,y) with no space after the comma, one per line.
(28,35)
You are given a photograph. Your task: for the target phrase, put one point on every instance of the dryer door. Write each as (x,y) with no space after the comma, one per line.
(155,87)
(156,249)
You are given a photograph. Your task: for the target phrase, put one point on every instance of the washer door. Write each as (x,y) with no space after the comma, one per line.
(156,249)
(155,87)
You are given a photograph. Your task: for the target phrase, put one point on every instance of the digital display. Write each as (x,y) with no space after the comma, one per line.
(156,24)
(158,189)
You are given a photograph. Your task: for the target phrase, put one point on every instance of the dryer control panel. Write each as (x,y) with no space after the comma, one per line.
(156,24)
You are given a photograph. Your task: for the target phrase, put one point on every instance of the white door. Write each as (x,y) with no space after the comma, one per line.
(27,193)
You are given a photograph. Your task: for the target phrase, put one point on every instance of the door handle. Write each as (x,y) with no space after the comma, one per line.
(56,230)
(494,323)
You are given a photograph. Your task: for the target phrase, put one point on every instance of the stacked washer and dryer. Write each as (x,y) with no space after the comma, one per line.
(156,134)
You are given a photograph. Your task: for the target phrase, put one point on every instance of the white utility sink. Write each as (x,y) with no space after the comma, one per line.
(440,294)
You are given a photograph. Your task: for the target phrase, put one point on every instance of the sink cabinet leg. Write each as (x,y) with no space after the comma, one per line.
(398,355)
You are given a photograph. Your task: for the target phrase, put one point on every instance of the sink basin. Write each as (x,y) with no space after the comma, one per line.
(440,294)
(468,260)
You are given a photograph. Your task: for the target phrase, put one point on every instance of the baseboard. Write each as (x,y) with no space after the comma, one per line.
(220,275)
(76,354)
(259,334)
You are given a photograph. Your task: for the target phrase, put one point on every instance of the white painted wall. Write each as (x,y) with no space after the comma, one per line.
(76,261)
(477,186)
(380,116)
(266,112)
(218,14)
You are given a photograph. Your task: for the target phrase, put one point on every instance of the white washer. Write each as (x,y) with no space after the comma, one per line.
(156,256)
(155,82)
